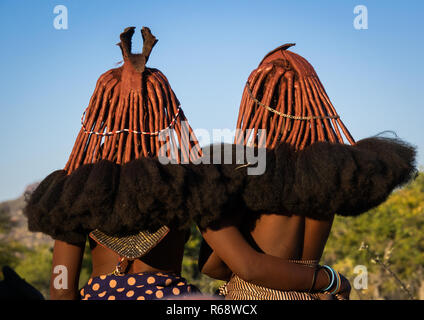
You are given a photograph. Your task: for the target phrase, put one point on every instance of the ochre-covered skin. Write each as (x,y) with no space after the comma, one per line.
(137,99)
(287,83)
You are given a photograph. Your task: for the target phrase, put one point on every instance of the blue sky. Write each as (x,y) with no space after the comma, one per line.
(207,50)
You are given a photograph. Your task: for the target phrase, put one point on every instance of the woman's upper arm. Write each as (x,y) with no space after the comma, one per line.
(211,264)
(229,245)
(66,267)
(215,268)
(258,268)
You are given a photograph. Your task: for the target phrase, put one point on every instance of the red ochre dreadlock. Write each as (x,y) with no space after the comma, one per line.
(285,96)
(131,108)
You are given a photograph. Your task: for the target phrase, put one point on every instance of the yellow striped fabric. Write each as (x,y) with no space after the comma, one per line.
(238,289)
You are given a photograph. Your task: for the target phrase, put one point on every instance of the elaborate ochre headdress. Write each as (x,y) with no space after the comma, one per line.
(311,168)
(132,115)
(285,96)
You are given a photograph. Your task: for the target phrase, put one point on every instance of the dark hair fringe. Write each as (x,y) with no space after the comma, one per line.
(143,194)
(327,178)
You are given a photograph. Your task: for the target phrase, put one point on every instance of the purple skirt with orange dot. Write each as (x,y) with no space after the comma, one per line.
(140,286)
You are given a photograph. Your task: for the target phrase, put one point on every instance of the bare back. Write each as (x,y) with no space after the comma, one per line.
(292,237)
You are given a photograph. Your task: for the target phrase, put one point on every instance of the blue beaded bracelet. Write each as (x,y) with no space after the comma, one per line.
(332,277)
(338,283)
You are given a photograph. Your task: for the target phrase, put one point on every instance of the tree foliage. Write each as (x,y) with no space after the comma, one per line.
(388,241)
(190,269)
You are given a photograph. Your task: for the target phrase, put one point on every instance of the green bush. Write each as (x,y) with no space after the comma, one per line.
(190,270)
(388,240)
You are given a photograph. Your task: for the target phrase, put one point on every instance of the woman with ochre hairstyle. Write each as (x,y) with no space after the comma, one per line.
(311,174)
(132,118)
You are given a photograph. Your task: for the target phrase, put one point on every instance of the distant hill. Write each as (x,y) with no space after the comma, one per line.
(13,210)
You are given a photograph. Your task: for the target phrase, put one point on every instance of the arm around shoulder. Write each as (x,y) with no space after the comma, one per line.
(258,268)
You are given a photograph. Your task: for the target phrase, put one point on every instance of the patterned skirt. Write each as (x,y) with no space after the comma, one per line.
(238,289)
(139,286)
